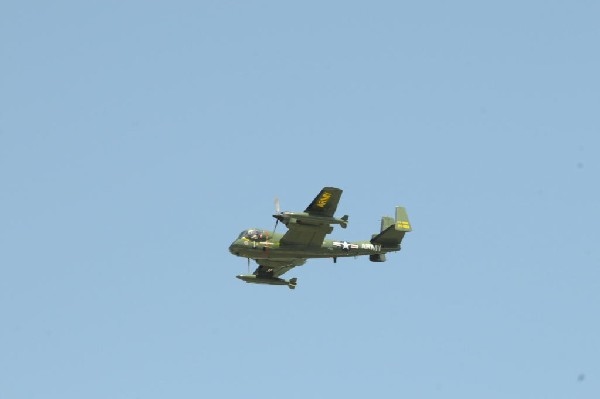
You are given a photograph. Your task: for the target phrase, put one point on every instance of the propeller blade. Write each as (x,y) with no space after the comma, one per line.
(277,212)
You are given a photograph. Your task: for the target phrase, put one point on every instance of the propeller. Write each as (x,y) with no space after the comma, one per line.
(277,206)
(277,212)
(248,265)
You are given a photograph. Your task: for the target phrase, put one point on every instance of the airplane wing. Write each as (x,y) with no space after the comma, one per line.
(305,236)
(275,268)
(325,203)
(312,235)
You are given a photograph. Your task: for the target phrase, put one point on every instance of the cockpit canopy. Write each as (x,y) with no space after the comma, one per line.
(254,235)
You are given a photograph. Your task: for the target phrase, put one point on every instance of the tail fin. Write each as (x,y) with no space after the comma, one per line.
(392,231)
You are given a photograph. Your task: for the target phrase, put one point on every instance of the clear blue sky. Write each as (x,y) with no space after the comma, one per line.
(138,138)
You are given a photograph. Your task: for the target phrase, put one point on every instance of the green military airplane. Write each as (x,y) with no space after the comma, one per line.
(277,253)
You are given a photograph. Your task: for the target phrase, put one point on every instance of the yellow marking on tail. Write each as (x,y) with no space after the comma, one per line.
(403,225)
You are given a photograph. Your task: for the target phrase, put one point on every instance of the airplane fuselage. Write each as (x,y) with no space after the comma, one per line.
(268,247)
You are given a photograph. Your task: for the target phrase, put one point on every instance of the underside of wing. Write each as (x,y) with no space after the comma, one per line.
(308,230)
(325,203)
(305,235)
(275,268)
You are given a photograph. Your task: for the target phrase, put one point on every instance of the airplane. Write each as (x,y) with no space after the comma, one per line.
(277,253)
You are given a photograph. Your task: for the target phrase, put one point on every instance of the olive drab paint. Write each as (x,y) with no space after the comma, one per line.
(277,253)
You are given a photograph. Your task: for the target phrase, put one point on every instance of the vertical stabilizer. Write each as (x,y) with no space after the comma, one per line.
(402,223)
(386,222)
(392,231)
